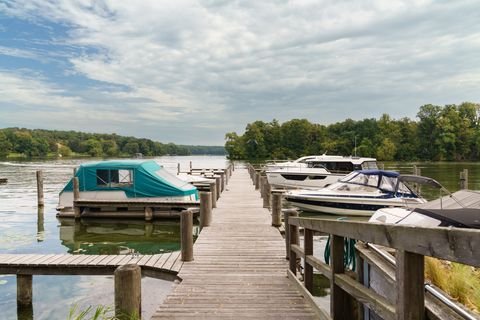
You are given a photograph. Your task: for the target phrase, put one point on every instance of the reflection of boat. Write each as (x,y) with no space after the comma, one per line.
(360,193)
(107,236)
(124,180)
(316,171)
(461,209)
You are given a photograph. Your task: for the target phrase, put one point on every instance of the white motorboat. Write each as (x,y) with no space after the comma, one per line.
(360,193)
(315,172)
(444,211)
(300,162)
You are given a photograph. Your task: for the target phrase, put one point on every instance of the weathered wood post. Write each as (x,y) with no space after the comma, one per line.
(308,250)
(217,186)
(276,208)
(287,213)
(410,279)
(292,256)
(128,292)
(340,302)
(418,172)
(205,209)
(148,214)
(213,191)
(40,223)
(257,180)
(24,289)
(186,233)
(464,179)
(261,186)
(178,168)
(76,196)
(40,200)
(266,194)
(190,166)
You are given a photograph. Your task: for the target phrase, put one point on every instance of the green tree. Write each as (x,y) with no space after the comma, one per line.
(94,147)
(5,145)
(386,151)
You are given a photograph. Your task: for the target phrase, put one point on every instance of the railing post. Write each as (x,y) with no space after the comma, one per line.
(205,209)
(24,289)
(276,208)
(287,213)
(308,249)
(40,200)
(292,259)
(340,301)
(76,196)
(464,179)
(257,180)
(410,279)
(186,233)
(128,291)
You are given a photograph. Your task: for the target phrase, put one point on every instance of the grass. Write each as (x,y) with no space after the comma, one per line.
(460,281)
(99,313)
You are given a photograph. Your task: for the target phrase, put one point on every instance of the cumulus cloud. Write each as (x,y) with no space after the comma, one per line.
(217,65)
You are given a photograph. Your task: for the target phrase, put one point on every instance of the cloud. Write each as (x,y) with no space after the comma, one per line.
(221,64)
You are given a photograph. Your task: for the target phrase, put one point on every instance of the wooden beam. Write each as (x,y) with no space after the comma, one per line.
(410,278)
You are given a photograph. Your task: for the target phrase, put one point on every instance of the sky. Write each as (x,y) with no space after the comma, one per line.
(188,72)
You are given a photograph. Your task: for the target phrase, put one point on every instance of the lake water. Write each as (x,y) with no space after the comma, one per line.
(22,232)
(24,229)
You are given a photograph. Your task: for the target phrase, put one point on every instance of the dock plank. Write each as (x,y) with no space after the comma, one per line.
(239,266)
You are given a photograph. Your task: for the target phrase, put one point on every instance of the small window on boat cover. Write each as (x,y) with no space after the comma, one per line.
(114,177)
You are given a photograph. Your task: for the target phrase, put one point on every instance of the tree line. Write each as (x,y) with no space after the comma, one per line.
(42,143)
(450,133)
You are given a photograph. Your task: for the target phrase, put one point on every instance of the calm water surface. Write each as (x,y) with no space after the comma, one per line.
(25,229)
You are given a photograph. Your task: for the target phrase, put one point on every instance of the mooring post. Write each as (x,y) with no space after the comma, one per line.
(262,187)
(266,194)
(40,188)
(464,179)
(257,180)
(218,186)
(410,278)
(287,213)
(148,213)
(40,223)
(186,233)
(294,239)
(276,208)
(213,192)
(178,168)
(128,292)
(418,172)
(76,196)
(205,209)
(24,289)
(190,166)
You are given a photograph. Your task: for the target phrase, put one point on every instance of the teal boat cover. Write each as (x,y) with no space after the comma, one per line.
(138,178)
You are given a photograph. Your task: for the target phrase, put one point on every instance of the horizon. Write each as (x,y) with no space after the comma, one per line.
(190,72)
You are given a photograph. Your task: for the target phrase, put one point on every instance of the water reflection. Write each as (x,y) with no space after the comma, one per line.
(108,236)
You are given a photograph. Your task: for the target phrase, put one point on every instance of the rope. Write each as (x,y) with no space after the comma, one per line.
(348,252)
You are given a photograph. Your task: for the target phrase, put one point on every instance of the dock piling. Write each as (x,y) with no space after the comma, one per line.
(464,179)
(40,188)
(76,196)
(186,234)
(24,289)
(213,191)
(276,208)
(287,213)
(128,290)
(205,209)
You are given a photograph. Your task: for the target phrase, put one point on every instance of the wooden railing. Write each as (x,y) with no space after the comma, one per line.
(412,244)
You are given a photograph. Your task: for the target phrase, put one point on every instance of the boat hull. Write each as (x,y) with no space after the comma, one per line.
(349,205)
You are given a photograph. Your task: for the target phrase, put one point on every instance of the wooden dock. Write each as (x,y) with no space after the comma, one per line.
(163,266)
(239,269)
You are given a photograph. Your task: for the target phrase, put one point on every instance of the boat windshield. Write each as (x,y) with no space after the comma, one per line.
(376,181)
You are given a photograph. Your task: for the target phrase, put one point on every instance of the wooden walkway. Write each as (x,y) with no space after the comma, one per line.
(240,270)
(164,265)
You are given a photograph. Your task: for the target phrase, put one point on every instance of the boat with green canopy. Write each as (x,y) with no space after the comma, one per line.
(125,180)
